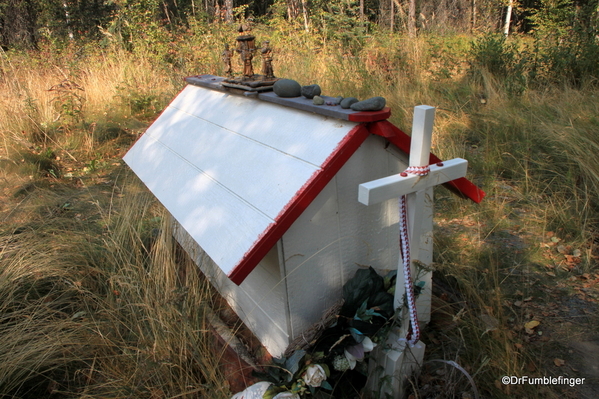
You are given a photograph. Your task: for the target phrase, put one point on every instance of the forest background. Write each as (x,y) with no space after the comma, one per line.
(97,302)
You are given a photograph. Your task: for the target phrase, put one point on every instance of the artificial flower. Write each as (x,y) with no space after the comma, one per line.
(287,395)
(355,353)
(255,391)
(368,344)
(351,359)
(314,375)
(340,363)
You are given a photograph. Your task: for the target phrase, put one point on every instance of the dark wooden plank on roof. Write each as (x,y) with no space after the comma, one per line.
(207,81)
(302,103)
(306,104)
(334,111)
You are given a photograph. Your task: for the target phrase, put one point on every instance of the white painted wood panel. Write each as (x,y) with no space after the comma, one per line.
(260,301)
(304,135)
(423,301)
(224,224)
(368,234)
(241,165)
(312,261)
(336,234)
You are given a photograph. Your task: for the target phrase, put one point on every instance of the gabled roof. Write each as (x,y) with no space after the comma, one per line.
(236,172)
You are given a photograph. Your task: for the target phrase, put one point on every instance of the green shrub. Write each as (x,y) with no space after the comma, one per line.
(494,54)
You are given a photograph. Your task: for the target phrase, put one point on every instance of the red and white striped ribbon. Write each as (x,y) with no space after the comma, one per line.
(404,242)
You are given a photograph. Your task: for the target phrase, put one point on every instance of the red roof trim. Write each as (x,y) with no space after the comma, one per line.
(298,204)
(462,186)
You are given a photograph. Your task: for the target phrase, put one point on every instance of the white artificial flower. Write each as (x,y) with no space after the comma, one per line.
(340,363)
(351,359)
(287,395)
(255,391)
(314,375)
(368,344)
(363,347)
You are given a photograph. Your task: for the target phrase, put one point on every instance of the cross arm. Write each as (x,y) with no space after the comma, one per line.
(461,186)
(394,186)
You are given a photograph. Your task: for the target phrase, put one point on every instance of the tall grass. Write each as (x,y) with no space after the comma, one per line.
(91,301)
(104,315)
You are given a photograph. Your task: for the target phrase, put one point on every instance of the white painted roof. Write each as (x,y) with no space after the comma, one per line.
(228,167)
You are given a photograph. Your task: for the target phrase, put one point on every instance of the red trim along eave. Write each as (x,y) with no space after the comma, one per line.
(462,186)
(298,204)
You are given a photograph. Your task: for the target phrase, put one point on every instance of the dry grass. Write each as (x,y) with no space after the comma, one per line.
(528,153)
(103,314)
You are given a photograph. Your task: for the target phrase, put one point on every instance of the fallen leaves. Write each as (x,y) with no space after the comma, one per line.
(530,326)
(559,362)
(490,322)
(565,257)
(572,259)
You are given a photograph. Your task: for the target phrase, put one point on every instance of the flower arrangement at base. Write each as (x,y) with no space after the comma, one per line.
(329,361)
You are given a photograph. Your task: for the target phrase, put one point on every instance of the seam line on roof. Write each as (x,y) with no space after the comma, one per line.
(252,139)
(211,178)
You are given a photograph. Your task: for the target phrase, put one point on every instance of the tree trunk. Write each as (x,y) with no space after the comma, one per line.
(68,19)
(305,13)
(412,18)
(167,12)
(508,18)
(210,8)
(18,28)
(292,9)
(387,13)
(228,11)
(473,16)
(362,13)
(392,16)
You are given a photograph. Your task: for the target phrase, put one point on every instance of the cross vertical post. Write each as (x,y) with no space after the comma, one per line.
(400,360)
(422,136)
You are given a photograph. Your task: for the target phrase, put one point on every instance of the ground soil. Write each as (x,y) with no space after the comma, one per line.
(549,285)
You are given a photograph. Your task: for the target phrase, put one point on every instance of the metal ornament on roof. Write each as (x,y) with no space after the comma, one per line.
(246,48)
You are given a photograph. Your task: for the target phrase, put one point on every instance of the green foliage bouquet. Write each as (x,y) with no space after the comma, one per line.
(331,364)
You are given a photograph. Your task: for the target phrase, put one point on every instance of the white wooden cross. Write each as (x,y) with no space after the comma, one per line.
(399,362)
